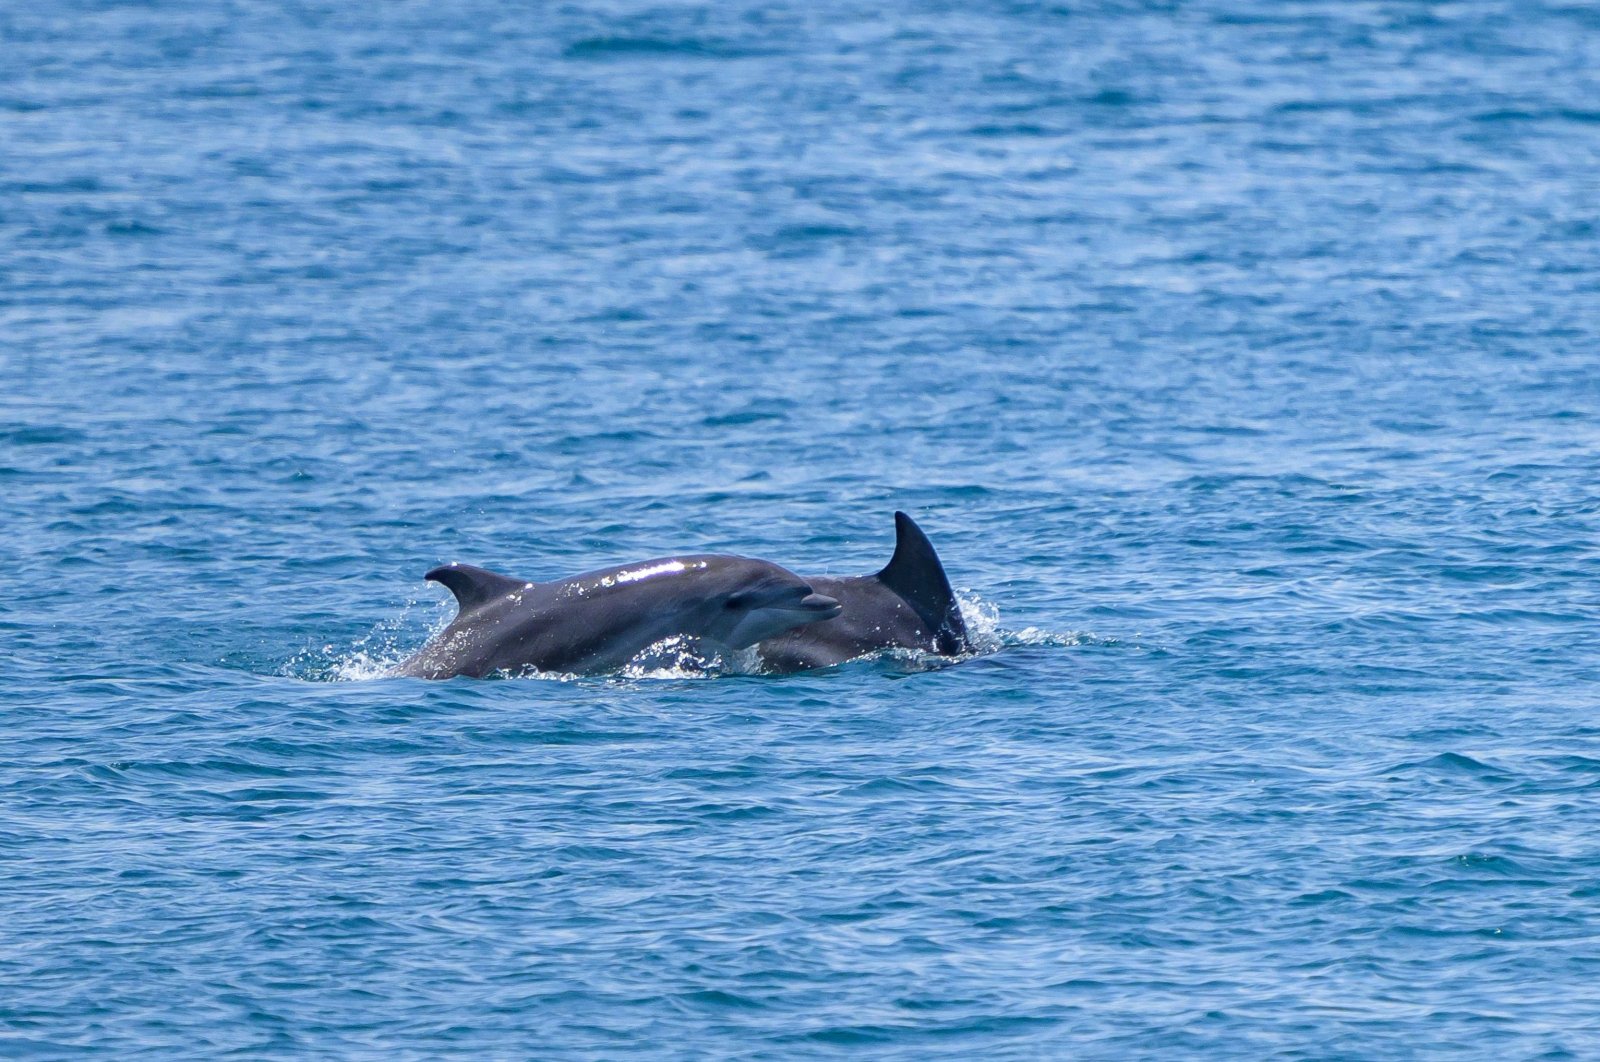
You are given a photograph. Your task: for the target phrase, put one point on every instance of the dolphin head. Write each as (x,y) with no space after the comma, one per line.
(757,600)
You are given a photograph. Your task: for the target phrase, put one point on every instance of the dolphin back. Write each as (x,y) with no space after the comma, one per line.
(917,576)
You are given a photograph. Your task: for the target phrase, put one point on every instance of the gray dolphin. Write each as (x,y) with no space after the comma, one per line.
(907,605)
(600,620)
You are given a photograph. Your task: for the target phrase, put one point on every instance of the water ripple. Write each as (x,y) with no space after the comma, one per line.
(1238,358)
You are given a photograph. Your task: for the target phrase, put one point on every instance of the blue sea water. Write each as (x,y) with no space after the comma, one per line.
(1240,357)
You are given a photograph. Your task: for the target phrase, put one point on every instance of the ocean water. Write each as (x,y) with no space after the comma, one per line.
(1239,356)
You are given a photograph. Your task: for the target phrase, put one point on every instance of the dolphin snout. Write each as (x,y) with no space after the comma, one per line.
(826,607)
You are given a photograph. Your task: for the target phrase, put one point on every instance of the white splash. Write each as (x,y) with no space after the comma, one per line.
(678,657)
(988,636)
(982,620)
(375,654)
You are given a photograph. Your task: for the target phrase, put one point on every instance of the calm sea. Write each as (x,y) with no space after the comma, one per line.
(1242,359)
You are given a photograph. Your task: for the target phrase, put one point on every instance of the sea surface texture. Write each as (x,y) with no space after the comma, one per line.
(1242,360)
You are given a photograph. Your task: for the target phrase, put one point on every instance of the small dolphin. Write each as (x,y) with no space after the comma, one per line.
(600,620)
(907,605)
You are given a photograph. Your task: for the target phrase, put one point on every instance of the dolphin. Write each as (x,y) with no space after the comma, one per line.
(907,605)
(600,620)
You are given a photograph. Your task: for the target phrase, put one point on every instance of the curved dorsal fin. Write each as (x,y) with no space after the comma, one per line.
(474,586)
(914,572)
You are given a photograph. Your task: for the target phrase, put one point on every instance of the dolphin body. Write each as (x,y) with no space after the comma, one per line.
(602,619)
(907,605)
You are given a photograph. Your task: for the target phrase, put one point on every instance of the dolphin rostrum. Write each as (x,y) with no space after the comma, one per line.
(601,620)
(907,605)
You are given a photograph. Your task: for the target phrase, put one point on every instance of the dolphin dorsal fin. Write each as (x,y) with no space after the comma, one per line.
(474,586)
(914,572)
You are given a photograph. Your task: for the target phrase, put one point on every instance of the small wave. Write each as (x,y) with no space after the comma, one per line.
(1451,766)
(614,48)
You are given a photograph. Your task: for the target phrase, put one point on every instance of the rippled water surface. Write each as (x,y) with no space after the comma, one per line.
(1239,357)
